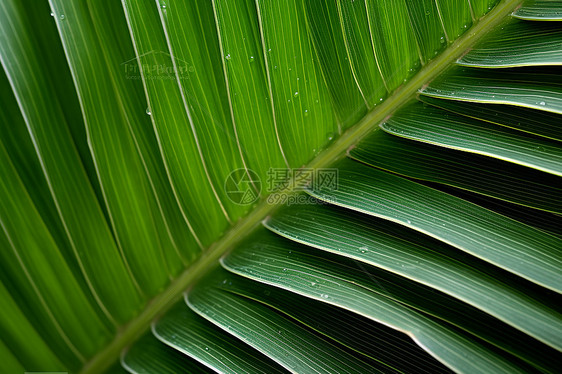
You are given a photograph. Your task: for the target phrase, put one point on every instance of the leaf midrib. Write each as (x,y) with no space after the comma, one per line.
(209,259)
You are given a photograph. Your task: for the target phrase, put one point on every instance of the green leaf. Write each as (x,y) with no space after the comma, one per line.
(515,247)
(283,340)
(437,127)
(522,119)
(149,355)
(517,43)
(195,337)
(540,10)
(274,261)
(413,256)
(536,89)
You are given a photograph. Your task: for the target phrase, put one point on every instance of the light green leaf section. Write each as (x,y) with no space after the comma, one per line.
(381,244)
(438,127)
(328,40)
(518,43)
(173,124)
(185,331)
(89,237)
(393,350)
(20,333)
(109,24)
(192,41)
(284,341)
(394,43)
(515,247)
(484,175)
(31,259)
(536,89)
(455,16)
(481,7)
(427,26)
(357,37)
(137,218)
(303,111)
(148,355)
(275,261)
(251,107)
(527,120)
(540,10)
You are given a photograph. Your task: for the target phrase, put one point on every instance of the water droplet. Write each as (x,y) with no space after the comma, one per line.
(408,221)
(284,269)
(380,99)
(228,57)
(542,103)
(306,112)
(313,283)
(324,296)
(269,50)
(206,348)
(465,26)
(363,249)
(148,111)
(296,94)
(62,16)
(275,67)
(191,69)
(251,59)
(52,14)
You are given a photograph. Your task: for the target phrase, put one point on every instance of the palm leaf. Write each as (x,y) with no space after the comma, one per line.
(281,186)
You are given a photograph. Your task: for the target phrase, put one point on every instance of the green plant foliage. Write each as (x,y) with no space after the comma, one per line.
(156,215)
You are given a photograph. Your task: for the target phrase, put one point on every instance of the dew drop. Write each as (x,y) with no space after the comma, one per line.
(380,99)
(296,94)
(52,14)
(251,59)
(148,111)
(62,16)
(228,57)
(542,103)
(306,112)
(363,249)
(206,348)
(408,221)
(324,296)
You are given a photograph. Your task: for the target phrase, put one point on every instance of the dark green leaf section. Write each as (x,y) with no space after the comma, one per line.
(438,127)
(474,173)
(413,256)
(394,351)
(518,43)
(284,341)
(540,10)
(186,332)
(526,120)
(149,355)
(513,246)
(348,284)
(530,88)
